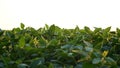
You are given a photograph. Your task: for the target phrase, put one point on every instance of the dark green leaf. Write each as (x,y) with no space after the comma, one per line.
(22,25)
(1,65)
(97,30)
(107,29)
(87,29)
(79,66)
(110,60)
(88,65)
(37,63)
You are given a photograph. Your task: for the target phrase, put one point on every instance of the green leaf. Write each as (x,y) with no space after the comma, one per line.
(4,59)
(22,42)
(43,42)
(106,32)
(97,54)
(46,27)
(98,45)
(66,46)
(15,30)
(22,25)
(57,65)
(76,51)
(87,29)
(118,31)
(88,65)
(97,30)
(22,65)
(2,65)
(88,44)
(85,54)
(78,66)
(36,63)
(110,60)
(51,65)
(68,66)
(53,42)
(107,29)
(96,60)
(70,54)
(89,49)
(79,47)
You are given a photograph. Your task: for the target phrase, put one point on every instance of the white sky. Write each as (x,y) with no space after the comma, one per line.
(63,13)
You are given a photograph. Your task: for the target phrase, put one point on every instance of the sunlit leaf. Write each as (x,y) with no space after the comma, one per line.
(88,44)
(104,54)
(22,42)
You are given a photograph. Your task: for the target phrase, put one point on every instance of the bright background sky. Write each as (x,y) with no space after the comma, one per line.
(63,13)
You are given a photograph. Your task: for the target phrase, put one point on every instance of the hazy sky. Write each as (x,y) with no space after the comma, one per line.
(63,13)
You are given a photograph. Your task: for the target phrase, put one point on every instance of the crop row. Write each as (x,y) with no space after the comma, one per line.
(54,47)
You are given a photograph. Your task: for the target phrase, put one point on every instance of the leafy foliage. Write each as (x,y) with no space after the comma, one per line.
(53,47)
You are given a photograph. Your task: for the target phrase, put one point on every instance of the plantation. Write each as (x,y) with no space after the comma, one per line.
(53,47)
